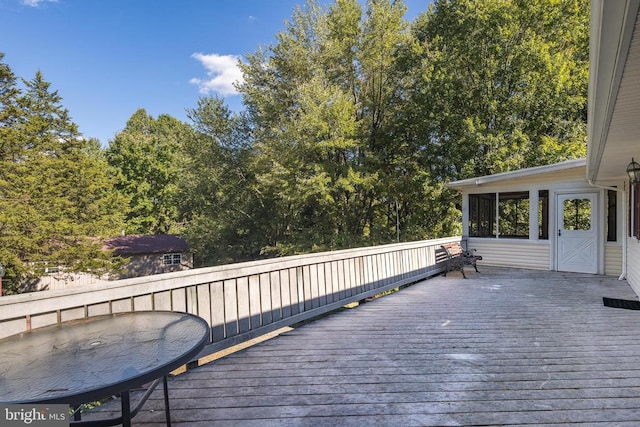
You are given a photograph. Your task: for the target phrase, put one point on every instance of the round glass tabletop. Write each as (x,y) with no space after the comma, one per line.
(88,359)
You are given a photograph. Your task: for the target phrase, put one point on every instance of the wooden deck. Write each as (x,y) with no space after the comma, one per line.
(505,347)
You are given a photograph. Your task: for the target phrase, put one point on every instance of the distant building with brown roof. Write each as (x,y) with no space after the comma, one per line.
(151,254)
(146,254)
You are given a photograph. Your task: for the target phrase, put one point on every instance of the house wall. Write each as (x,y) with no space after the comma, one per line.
(612,259)
(633,264)
(511,253)
(148,264)
(563,181)
(540,254)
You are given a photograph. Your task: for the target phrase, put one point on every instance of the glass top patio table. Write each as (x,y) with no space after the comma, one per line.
(88,359)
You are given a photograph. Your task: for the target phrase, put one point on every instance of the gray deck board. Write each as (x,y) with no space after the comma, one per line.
(505,347)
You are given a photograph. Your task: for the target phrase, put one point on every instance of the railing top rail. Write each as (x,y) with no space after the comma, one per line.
(20,305)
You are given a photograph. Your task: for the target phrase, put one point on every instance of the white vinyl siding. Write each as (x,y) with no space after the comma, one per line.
(612,260)
(633,264)
(511,253)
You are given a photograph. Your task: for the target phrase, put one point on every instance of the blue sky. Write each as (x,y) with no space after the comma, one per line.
(108,58)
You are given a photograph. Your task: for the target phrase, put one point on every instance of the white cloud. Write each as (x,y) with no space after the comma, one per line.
(222,73)
(36,3)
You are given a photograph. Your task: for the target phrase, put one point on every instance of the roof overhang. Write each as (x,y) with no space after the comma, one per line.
(520,173)
(144,244)
(614,89)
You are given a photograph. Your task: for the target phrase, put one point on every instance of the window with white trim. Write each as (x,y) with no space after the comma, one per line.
(513,215)
(482,215)
(501,214)
(172,259)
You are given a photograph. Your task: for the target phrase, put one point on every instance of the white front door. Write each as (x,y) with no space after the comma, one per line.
(577,248)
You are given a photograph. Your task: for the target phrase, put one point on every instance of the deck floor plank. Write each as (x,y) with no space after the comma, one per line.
(505,347)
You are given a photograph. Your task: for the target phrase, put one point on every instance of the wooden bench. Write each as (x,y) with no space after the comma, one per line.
(456,258)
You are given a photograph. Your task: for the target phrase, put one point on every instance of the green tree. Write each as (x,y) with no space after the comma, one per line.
(504,84)
(146,156)
(10,113)
(219,204)
(56,199)
(310,173)
(329,107)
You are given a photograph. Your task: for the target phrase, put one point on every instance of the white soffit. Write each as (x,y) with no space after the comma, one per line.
(614,89)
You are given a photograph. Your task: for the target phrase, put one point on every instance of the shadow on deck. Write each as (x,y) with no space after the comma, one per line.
(505,347)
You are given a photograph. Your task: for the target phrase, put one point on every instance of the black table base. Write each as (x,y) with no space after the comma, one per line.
(127,413)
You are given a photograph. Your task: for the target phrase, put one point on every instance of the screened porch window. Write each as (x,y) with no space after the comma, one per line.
(513,221)
(507,215)
(482,215)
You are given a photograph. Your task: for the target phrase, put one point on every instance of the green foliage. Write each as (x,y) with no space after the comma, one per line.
(335,149)
(359,119)
(146,157)
(56,200)
(505,83)
(219,202)
(10,113)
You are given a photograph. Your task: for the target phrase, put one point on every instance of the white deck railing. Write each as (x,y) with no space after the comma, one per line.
(239,301)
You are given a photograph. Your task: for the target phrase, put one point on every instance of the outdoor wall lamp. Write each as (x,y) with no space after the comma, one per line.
(633,170)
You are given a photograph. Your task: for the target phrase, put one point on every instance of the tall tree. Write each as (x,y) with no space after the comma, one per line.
(10,113)
(219,204)
(56,199)
(146,156)
(327,102)
(504,83)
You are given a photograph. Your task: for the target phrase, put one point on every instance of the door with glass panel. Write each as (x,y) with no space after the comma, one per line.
(577,249)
